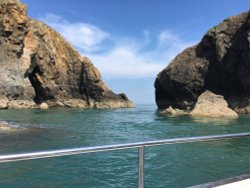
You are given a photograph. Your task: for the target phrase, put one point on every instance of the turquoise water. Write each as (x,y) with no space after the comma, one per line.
(178,165)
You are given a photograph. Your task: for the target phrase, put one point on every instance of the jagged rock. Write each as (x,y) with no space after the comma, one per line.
(171,111)
(4,102)
(110,104)
(19,104)
(8,128)
(244,110)
(38,64)
(75,103)
(219,63)
(212,105)
(9,1)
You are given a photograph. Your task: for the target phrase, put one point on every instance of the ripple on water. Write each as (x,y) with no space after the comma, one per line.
(177,165)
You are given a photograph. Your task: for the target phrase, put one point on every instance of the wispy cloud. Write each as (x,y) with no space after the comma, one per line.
(126,62)
(167,36)
(137,61)
(126,56)
(84,36)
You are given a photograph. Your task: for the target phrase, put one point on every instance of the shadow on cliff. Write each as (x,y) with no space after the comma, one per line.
(228,75)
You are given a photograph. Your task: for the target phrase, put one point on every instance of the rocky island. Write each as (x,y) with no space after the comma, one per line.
(220,63)
(39,68)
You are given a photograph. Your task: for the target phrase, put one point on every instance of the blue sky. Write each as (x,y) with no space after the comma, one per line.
(130,41)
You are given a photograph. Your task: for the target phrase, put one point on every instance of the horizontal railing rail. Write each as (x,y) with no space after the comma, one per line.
(139,145)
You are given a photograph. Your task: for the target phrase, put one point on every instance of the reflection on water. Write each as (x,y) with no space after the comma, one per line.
(214,121)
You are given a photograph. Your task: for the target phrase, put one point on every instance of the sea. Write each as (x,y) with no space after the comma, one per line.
(178,165)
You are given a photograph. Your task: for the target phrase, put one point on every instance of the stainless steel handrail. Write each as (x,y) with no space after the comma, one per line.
(139,145)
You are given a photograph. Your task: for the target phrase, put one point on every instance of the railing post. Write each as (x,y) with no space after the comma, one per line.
(141,167)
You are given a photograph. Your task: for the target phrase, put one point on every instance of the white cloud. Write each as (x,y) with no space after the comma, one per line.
(84,36)
(167,36)
(126,57)
(135,60)
(126,62)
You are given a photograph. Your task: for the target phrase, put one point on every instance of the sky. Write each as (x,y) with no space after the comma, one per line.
(131,41)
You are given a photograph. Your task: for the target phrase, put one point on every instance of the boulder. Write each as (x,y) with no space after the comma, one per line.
(171,111)
(38,65)
(219,63)
(212,105)
(4,102)
(44,106)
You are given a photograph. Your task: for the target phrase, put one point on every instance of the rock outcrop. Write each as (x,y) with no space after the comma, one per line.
(219,63)
(212,105)
(7,128)
(174,112)
(38,66)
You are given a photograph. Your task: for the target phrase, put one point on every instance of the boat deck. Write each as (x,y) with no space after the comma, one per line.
(242,181)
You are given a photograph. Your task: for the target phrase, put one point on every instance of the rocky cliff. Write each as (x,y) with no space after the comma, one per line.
(219,63)
(38,66)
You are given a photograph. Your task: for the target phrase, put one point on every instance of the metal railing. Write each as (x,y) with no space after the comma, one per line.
(139,145)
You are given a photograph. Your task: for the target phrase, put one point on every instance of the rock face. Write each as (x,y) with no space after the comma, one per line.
(219,63)
(38,66)
(212,105)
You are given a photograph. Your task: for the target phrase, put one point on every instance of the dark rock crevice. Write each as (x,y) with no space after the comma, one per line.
(233,69)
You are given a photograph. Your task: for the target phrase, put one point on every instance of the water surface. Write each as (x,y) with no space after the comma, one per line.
(177,165)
